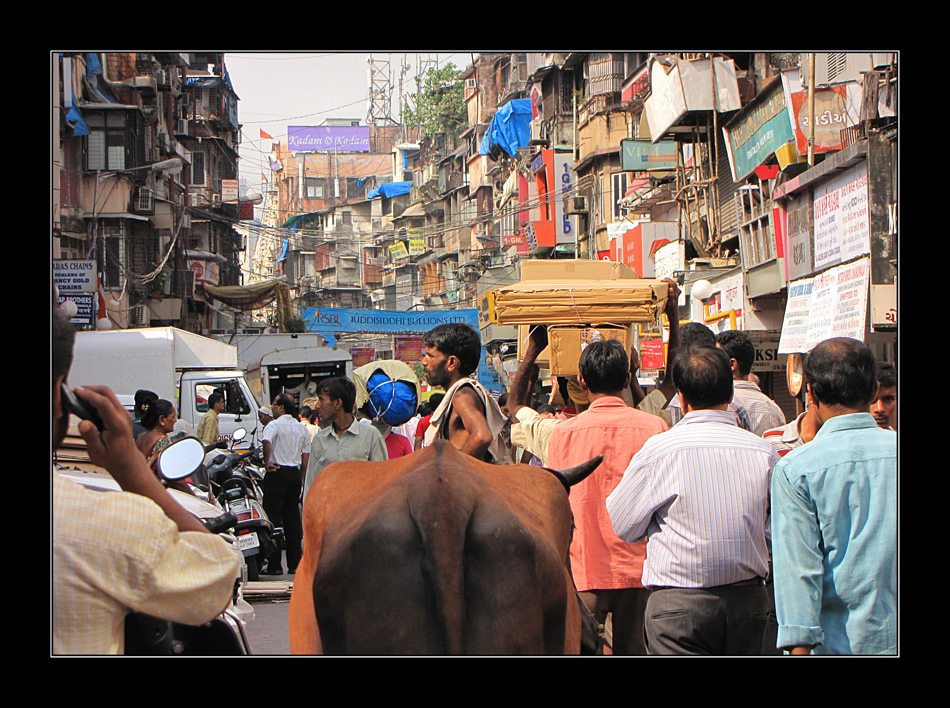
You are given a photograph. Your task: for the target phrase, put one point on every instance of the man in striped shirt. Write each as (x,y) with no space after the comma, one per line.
(700,494)
(764,414)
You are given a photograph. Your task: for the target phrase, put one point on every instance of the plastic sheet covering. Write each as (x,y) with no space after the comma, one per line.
(510,128)
(390,387)
(246,297)
(390,189)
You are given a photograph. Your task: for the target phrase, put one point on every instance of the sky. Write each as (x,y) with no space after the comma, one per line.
(276,90)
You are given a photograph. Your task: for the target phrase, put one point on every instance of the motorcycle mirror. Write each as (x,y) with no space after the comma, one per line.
(238,435)
(181,458)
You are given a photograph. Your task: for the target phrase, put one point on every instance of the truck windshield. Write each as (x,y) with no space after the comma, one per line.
(235,401)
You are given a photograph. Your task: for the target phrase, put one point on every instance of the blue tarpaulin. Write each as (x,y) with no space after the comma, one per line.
(510,128)
(390,189)
(75,119)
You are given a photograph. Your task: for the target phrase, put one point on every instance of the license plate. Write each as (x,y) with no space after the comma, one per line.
(248,540)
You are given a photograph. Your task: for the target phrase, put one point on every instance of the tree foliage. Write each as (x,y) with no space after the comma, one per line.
(440,103)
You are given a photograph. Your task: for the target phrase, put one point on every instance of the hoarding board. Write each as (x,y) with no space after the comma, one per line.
(832,304)
(758,131)
(328,138)
(639,155)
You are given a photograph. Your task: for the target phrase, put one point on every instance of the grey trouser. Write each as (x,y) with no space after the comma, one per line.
(725,620)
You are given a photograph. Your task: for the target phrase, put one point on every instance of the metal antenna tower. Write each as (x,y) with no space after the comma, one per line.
(380,93)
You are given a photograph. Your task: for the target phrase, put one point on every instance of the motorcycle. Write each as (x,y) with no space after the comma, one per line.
(225,635)
(236,487)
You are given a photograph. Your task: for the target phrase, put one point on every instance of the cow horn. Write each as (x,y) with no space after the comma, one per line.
(573,475)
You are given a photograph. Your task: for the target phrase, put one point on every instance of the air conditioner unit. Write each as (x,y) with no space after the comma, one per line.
(181,126)
(576,205)
(537,133)
(838,67)
(139,316)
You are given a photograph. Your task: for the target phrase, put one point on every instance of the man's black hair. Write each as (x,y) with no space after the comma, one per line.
(286,401)
(887,374)
(696,334)
(339,388)
(457,339)
(214,398)
(703,376)
(604,365)
(738,346)
(842,372)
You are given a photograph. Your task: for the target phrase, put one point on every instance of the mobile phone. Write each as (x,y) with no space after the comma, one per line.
(80,408)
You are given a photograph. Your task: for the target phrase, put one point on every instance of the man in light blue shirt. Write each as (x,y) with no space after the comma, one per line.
(834,516)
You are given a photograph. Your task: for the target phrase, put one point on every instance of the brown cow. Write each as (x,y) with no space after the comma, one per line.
(436,553)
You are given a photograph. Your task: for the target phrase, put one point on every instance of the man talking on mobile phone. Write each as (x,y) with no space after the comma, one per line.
(132,550)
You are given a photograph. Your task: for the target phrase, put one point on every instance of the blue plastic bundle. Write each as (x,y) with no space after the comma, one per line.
(393,401)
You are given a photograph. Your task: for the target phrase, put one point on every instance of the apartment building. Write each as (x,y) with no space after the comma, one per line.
(145,187)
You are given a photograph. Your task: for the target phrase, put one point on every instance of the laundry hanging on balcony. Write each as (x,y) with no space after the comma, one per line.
(509,129)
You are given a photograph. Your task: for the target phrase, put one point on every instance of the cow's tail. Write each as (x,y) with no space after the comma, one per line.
(442,527)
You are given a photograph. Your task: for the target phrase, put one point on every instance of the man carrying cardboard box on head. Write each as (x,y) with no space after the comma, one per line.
(606,570)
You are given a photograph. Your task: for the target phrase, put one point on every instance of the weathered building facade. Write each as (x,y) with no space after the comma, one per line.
(145,195)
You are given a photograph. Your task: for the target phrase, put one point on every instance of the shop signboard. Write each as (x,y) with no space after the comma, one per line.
(832,304)
(842,226)
(409,348)
(74,276)
(757,131)
(836,107)
(362,356)
(639,155)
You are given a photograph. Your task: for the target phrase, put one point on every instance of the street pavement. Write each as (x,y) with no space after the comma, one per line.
(267,633)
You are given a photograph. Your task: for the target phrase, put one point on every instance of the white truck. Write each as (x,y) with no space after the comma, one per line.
(180,366)
(294,363)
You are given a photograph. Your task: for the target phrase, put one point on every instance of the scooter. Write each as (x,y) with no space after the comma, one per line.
(225,635)
(236,488)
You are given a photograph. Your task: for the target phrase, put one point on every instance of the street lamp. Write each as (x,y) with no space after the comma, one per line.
(702,289)
(172,166)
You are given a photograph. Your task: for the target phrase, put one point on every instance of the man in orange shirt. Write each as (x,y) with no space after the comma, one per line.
(606,570)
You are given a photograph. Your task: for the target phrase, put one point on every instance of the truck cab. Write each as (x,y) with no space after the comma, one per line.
(240,404)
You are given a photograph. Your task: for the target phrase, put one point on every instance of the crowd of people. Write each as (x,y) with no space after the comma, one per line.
(712,525)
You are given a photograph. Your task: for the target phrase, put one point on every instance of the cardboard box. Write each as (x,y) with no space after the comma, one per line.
(620,302)
(566,344)
(550,269)
(543,358)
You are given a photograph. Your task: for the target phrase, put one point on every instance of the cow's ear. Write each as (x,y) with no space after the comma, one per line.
(573,475)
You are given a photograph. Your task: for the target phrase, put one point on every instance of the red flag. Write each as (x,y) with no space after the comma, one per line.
(265,136)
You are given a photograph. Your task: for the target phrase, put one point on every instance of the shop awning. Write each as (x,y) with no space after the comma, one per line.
(246,297)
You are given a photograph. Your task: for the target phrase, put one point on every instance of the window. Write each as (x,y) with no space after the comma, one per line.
(234,401)
(107,141)
(619,184)
(198,168)
(313,187)
(113,238)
